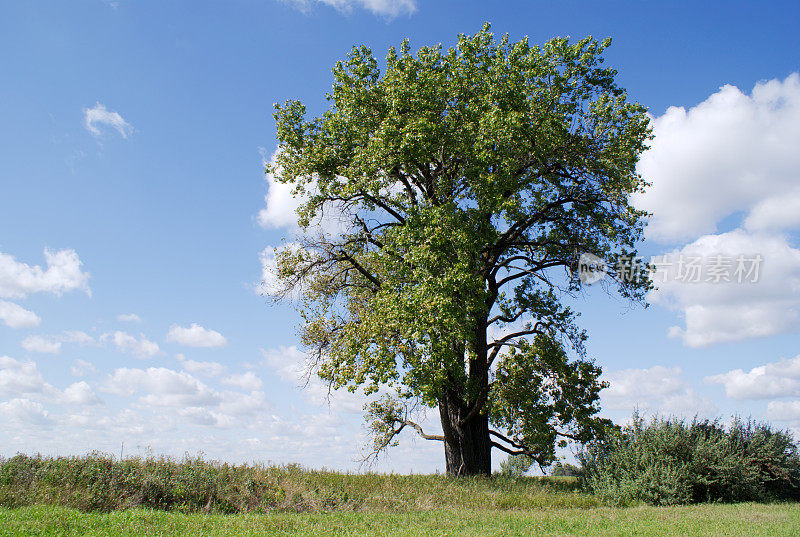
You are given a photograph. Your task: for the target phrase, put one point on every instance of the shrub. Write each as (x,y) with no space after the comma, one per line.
(516,465)
(565,470)
(669,461)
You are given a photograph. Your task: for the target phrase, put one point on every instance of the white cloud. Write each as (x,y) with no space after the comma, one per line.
(732,311)
(140,348)
(25,412)
(100,116)
(630,384)
(129,318)
(41,345)
(776,213)
(657,389)
(291,366)
(206,369)
(246,381)
(81,368)
(161,387)
(196,336)
(167,392)
(280,210)
(63,274)
(18,378)
(15,316)
(270,284)
(774,379)
(52,344)
(733,152)
(783,410)
(77,337)
(80,393)
(288,362)
(389,8)
(244,404)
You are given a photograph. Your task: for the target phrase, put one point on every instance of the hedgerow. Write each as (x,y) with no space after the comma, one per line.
(672,461)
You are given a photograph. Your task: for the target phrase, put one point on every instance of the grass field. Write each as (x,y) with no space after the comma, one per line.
(95,495)
(746,520)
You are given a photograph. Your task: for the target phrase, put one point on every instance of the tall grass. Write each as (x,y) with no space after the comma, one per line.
(96,482)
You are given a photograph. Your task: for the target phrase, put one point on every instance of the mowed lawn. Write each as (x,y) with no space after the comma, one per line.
(713,520)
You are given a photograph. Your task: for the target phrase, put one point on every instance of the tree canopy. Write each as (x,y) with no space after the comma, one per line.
(466,183)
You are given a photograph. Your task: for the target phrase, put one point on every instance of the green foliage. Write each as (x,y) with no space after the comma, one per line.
(536,385)
(565,470)
(668,461)
(516,465)
(97,483)
(466,182)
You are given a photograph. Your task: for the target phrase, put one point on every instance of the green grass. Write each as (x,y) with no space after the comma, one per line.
(99,484)
(95,495)
(746,520)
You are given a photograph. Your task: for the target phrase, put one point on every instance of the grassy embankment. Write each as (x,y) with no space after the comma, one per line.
(97,496)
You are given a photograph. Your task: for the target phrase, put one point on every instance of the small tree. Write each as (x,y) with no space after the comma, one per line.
(516,465)
(564,470)
(467,182)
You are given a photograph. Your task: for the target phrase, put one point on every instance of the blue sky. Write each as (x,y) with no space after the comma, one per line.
(133,216)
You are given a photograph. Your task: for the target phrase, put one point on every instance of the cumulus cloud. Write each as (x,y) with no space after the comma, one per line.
(774,379)
(78,337)
(129,318)
(765,303)
(178,393)
(80,393)
(15,316)
(196,336)
(776,213)
(63,273)
(246,381)
(98,116)
(25,412)
(161,387)
(206,369)
(388,8)
(140,348)
(291,366)
(783,410)
(731,153)
(18,378)
(280,209)
(52,344)
(41,345)
(82,367)
(656,389)
(270,284)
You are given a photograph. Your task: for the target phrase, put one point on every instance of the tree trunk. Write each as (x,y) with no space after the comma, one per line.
(467,447)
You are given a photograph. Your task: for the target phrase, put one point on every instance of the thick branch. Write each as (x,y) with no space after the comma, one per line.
(350,259)
(419,430)
(498,344)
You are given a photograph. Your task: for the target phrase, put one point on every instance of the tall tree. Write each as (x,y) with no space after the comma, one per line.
(465,184)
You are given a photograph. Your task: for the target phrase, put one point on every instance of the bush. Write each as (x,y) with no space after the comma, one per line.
(516,465)
(565,470)
(669,461)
